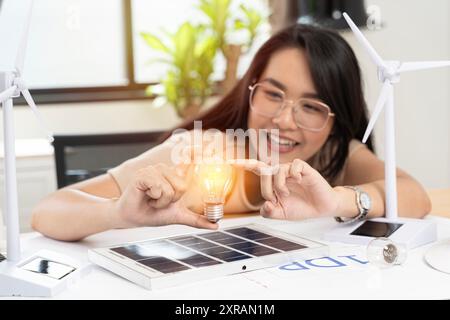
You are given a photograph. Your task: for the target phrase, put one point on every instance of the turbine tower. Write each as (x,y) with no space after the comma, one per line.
(44,273)
(411,232)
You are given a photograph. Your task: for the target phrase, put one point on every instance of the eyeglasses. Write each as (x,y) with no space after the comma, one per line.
(269,101)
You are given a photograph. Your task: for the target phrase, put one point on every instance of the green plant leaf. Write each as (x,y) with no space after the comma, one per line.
(206,48)
(159,60)
(184,42)
(206,7)
(149,91)
(218,13)
(154,42)
(254,18)
(170,85)
(239,24)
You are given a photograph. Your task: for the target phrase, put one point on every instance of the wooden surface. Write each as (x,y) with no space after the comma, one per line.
(440,199)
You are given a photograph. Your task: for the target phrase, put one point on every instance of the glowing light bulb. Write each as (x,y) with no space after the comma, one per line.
(383,252)
(215,180)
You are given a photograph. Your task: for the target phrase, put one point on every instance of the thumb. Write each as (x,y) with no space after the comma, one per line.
(195,220)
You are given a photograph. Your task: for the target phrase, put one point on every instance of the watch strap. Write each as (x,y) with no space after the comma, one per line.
(362,211)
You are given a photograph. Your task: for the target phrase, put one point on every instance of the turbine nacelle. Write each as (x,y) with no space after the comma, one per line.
(20,85)
(15,87)
(390,71)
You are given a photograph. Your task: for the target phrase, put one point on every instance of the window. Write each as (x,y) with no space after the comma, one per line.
(177,11)
(91,50)
(76,43)
(169,13)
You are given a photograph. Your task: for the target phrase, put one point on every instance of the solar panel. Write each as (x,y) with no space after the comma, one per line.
(163,262)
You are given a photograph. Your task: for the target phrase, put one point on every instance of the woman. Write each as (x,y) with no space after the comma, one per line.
(304,82)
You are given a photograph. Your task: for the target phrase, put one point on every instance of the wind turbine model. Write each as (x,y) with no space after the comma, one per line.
(44,273)
(410,232)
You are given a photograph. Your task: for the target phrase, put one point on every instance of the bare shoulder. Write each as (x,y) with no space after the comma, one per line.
(363,166)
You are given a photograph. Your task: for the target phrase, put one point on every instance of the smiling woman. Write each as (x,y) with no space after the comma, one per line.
(304,63)
(311,78)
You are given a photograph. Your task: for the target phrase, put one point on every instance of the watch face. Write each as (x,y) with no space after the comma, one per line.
(365,201)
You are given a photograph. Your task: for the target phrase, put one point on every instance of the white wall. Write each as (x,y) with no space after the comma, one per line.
(413,30)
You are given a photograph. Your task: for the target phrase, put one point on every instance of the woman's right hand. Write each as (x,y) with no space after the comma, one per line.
(152,198)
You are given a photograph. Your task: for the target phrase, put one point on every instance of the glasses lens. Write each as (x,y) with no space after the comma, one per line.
(266,99)
(310,114)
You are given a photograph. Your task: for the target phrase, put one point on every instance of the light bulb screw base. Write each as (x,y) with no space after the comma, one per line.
(213,212)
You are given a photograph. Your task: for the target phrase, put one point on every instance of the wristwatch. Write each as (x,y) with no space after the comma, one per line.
(363,202)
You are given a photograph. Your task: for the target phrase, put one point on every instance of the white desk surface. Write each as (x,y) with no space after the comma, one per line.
(414,279)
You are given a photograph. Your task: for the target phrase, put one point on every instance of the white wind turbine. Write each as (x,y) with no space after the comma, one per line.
(44,273)
(410,232)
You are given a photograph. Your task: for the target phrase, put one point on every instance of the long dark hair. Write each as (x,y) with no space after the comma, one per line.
(337,79)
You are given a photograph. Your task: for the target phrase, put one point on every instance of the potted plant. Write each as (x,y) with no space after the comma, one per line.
(190,53)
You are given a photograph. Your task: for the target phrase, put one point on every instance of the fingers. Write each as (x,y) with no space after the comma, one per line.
(161,184)
(167,196)
(264,171)
(266,209)
(267,188)
(296,170)
(273,179)
(154,191)
(176,182)
(280,181)
(276,183)
(272,211)
(303,173)
(150,182)
(257,167)
(195,220)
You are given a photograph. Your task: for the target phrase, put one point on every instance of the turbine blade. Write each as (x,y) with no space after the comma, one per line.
(26,94)
(364,42)
(421,65)
(20,58)
(381,102)
(7,94)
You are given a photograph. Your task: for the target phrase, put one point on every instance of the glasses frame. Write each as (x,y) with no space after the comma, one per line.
(294,107)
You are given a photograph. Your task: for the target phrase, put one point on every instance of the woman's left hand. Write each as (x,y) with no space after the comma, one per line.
(294,191)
